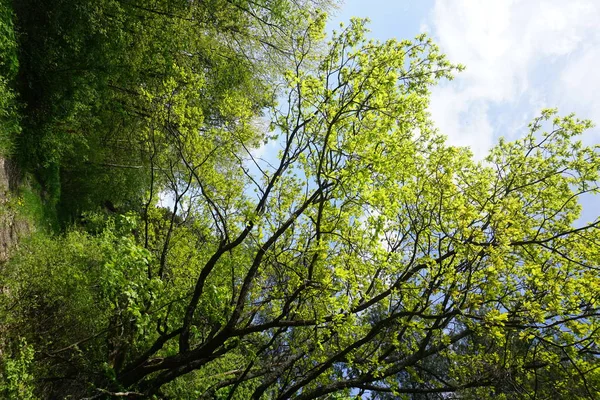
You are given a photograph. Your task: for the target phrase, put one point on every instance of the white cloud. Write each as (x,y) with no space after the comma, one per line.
(579,87)
(462,119)
(519,55)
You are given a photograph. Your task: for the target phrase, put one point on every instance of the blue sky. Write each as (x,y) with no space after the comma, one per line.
(521,56)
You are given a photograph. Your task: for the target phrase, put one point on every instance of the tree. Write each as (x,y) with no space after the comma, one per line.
(99,79)
(370,259)
(9,124)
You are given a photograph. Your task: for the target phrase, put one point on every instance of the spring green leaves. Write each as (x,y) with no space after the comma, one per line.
(368,258)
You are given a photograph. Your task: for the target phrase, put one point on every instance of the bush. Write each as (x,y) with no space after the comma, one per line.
(75,298)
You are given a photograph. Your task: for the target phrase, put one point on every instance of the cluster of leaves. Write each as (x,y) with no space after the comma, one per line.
(16,380)
(369,258)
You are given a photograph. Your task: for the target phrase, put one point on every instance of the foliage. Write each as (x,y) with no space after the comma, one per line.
(102,81)
(67,292)
(369,258)
(16,380)
(9,120)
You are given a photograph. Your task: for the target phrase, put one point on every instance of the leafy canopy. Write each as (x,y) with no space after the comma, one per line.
(370,258)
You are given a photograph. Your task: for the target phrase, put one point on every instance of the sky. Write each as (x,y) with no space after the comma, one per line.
(521,56)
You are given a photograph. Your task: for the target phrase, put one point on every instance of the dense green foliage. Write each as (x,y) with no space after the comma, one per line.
(102,80)
(367,259)
(9,121)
